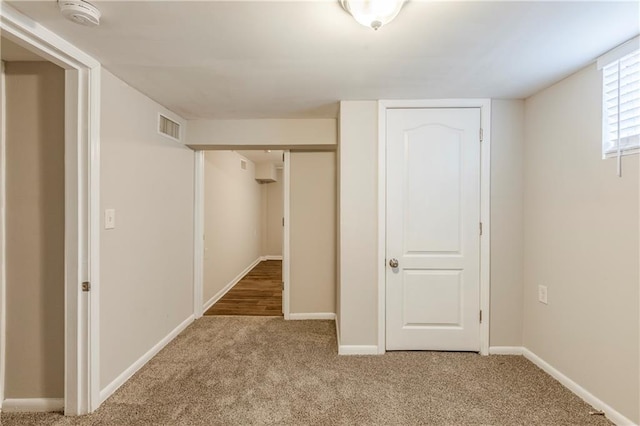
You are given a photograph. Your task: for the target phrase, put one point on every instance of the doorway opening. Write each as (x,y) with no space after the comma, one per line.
(309,233)
(243,232)
(80,228)
(33,230)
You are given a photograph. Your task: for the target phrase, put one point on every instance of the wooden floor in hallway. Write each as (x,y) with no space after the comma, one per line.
(258,293)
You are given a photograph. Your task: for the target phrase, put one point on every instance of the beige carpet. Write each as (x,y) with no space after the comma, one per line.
(262,370)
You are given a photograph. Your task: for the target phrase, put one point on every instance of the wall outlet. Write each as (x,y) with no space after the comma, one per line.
(542,294)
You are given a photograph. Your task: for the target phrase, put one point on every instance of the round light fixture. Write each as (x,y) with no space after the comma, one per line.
(373,13)
(80,11)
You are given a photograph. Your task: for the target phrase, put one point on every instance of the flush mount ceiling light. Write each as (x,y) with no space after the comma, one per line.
(373,13)
(80,11)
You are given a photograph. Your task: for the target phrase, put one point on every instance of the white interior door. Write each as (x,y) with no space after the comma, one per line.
(433,221)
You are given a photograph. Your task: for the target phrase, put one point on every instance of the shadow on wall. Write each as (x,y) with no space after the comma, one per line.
(35,100)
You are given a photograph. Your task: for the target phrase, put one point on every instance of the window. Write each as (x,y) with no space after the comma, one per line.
(621,104)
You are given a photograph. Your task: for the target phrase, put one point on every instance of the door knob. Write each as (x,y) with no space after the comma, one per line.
(393,263)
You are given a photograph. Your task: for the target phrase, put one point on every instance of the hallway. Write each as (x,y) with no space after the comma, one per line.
(258,293)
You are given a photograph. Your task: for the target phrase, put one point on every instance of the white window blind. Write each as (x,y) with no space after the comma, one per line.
(621,105)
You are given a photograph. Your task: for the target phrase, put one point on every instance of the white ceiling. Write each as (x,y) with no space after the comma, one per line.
(264,156)
(11,52)
(298,58)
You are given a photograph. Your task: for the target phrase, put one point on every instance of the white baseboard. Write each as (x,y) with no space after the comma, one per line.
(313,316)
(32,405)
(272,257)
(358,350)
(230,285)
(613,415)
(354,349)
(126,374)
(506,350)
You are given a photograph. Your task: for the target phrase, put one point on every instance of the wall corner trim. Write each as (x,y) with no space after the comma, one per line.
(312,316)
(613,415)
(506,350)
(224,290)
(337,321)
(126,374)
(198,232)
(32,405)
(358,350)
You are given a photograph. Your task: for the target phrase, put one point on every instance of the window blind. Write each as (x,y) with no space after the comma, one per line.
(621,104)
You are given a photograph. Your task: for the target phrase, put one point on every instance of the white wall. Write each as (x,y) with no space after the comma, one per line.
(313,232)
(146,287)
(358,217)
(34,230)
(273,212)
(232,219)
(581,241)
(256,134)
(507,234)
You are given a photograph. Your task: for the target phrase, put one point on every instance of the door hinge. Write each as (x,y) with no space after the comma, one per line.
(481,317)
(480,228)
(283,221)
(481,135)
(282,285)
(86,286)
(283,156)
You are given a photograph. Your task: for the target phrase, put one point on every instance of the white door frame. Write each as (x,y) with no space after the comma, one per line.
(198,240)
(485,207)
(198,236)
(3,272)
(286,243)
(82,207)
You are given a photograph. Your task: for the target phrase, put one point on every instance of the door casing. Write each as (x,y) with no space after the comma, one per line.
(198,265)
(485,205)
(82,208)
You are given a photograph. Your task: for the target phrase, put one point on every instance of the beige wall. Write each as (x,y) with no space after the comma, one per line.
(358,245)
(35,230)
(255,134)
(507,147)
(273,212)
(232,219)
(313,235)
(581,241)
(146,287)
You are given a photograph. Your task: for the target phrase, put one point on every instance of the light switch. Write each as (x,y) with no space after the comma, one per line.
(542,294)
(109,219)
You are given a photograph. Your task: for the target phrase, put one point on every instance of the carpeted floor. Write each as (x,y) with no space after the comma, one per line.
(263,370)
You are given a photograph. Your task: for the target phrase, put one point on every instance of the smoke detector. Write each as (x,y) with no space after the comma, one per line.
(80,11)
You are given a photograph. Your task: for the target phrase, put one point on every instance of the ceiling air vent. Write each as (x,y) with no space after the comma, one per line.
(168,127)
(266,173)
